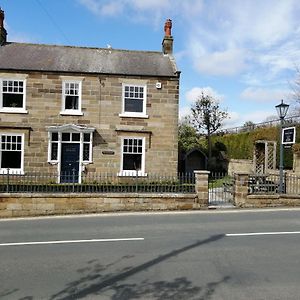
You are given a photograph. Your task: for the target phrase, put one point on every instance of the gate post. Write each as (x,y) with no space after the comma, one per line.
(201,187)
(240,189)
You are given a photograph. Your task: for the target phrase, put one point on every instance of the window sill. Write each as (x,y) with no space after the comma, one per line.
(13,111)
(12,172)
(133,115)
(71,113)
(132,174)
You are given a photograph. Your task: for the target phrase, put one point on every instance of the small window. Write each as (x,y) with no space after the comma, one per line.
(54,146)
(11,153)
(133,156)
(86,152)
(71,98)
(13,95)
(87,147)
(134,100)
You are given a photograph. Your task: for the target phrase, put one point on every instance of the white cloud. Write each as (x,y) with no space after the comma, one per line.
(108,8)
(237,119)
(150,4)
(264,23)
(184,112)
(263,95)
(233,119)
(150,11)
(192,95)
(261,37)
(111,9)
(13,36)
(258,116)
(226,63)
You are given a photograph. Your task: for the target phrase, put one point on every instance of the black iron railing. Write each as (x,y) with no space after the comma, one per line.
(96,183)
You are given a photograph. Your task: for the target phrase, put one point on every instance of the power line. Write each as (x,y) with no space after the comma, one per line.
(53,22)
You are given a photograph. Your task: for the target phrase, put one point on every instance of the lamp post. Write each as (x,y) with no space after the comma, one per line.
(282,109)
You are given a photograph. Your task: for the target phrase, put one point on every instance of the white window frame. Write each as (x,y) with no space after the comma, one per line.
(134,114)
(60,142)
(78,111)
(140,172)
(20,110)
(13,170)
(90,142)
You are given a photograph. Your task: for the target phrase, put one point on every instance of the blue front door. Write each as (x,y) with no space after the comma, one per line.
(69,162)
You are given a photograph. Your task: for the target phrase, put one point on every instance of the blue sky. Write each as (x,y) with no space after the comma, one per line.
(243,52)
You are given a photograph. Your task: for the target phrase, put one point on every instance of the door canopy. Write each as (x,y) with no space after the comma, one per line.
(70,128)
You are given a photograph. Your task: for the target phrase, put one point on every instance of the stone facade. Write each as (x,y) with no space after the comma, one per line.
(101,109)
(73,110)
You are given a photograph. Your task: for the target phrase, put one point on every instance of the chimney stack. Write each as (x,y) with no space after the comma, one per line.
(167,43)
(3,32)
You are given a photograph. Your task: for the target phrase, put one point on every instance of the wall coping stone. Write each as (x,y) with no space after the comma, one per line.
(97,195)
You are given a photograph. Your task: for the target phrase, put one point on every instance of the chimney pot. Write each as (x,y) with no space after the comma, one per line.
(167,43)
(168,27)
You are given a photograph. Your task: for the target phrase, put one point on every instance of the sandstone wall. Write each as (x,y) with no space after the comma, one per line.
(101,106)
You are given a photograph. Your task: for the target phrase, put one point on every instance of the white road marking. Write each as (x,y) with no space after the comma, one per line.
(263,233)
(71,242)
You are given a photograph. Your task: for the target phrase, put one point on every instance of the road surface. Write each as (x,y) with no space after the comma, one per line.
(238,254)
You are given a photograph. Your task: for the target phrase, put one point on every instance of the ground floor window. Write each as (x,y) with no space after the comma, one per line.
(133,156)
(11,153)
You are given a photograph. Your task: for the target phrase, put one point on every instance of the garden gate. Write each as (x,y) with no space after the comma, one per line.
(220,189)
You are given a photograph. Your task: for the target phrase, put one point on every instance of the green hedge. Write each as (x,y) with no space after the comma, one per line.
(240,146)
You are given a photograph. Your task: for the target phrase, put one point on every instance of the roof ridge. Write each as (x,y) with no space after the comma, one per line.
(83,47)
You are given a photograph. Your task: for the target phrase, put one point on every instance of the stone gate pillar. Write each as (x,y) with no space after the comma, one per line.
(201,186)
(241,188)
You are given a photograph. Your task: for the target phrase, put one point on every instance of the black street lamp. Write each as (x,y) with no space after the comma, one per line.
(282,109)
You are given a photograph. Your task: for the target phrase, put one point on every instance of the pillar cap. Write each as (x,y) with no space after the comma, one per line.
(201,172)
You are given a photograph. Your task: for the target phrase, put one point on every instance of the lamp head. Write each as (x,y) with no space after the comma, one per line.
(282,109)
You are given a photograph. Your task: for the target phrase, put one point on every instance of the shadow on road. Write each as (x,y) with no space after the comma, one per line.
(93,283)
(7,293)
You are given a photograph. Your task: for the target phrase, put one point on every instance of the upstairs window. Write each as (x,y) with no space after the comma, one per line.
(11,153)
(71,98)
(134,100)
(13,95)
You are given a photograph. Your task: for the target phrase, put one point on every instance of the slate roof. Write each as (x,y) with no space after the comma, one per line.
(37,57)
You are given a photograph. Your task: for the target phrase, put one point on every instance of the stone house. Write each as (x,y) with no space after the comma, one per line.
(87,110)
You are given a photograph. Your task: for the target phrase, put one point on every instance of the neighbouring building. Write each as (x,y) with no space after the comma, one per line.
(87,110)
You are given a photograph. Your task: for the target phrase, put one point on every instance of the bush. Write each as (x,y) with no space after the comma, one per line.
(241,145)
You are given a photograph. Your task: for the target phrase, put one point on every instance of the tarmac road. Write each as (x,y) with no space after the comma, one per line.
(232,254)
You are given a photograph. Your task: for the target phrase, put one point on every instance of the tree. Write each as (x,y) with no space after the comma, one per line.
(207,117)
(249,125)
(188,137)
